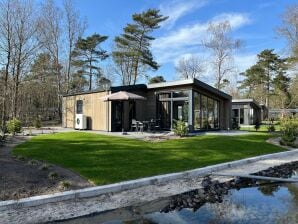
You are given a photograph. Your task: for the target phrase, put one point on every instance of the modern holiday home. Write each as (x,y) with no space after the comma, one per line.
(153,106)
(246,112)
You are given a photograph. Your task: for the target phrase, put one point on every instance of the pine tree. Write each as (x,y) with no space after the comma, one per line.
(133,46)
(87,55)
(267,76)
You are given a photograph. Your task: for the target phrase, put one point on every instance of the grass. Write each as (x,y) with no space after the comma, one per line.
(107,159)
(263,128)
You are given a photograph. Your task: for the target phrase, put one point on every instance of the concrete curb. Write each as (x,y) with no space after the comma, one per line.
(126,185)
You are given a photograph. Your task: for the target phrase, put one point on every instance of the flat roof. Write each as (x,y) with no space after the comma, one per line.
(193,81)
(244,101)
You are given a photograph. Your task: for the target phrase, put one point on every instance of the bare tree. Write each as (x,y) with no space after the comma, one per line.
(6,47)
(221,46)
(25,44)
(75,28)
(289,28)
(124,69)
(50,36)
(190,67)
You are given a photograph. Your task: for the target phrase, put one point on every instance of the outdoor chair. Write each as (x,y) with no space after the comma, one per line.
(140,126)
(157,125)
(134,125)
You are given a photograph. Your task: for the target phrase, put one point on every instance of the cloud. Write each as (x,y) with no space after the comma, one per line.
(187,39)
(179,8)
(244,61)
(236,20)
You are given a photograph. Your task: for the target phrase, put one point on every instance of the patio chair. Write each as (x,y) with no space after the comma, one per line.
(156,125)
(134,125)
(140,126)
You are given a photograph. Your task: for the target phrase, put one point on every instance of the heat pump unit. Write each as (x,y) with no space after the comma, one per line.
(81,122)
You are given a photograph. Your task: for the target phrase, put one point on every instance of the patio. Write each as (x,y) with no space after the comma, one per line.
(148,136)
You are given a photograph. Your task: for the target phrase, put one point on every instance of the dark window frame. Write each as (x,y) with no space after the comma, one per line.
(79,106)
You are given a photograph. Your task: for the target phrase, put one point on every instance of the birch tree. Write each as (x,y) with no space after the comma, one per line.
(191,67)
(222,47)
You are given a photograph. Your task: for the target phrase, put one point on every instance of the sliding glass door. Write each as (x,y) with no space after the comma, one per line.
(206,112)
(172,106)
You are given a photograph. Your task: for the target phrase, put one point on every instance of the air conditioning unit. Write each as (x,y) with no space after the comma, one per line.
(81,122)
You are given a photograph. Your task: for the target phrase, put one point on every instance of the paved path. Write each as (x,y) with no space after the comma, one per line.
(84,206)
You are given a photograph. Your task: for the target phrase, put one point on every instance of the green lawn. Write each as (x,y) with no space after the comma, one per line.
(106,159)
(263,128)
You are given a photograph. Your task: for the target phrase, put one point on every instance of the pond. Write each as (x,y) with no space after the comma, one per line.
(265,203)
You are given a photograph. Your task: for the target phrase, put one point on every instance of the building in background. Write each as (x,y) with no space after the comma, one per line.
(247,112)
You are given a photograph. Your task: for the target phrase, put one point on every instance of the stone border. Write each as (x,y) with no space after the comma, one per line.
(126,185)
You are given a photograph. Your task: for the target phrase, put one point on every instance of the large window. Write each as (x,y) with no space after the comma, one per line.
(210,113)
(206,112)
(216,114)
(79,106)
(241,116)
(171,106)
(197,111)
(204,108)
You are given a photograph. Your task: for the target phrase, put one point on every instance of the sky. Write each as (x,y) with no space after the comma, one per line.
(254,22)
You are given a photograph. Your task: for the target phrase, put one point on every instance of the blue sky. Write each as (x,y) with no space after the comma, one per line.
(253,22)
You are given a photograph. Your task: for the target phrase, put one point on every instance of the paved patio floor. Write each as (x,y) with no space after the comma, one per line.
(134,135)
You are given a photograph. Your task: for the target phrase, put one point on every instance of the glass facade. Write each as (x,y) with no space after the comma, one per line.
(197,111)
(171,106)
(176,105)
(206,112)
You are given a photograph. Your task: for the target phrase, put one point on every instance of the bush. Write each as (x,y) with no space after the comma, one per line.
(257,126)
(44,167)
(37,123)
(33,162)
(271,128)
(289,129)
(14,126)
(235,125)
(180,128)
(53,175)
(65,185)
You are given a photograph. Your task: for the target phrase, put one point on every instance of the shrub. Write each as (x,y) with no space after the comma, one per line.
(235,125)
(271,128)
(257,126)
(53,175)
(64,185)
(14,126)
(289,129)
(21,158)
(180,128)
(37,123)
(33,162)
(44,167)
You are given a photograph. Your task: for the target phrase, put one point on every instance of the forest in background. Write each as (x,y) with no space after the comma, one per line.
(45,54)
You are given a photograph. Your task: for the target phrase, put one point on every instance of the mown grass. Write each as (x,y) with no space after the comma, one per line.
(263,128)
(107,159)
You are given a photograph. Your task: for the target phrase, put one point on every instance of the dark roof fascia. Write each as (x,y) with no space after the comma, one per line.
(249,101)
(212,89)
(129,88)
